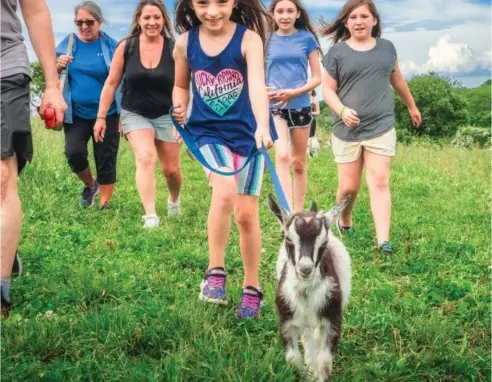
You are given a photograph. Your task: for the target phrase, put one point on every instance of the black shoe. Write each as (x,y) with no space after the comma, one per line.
(344,230)
(386,248)
(17,266)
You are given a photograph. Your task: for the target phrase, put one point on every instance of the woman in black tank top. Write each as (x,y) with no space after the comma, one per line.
(145,60)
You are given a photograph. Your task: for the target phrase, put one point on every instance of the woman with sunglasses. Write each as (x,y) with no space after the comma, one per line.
(87,69)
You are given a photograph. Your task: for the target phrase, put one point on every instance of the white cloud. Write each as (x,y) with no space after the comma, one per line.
(449,57)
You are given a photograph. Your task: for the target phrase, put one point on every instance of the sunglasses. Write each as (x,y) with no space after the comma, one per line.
(89,23)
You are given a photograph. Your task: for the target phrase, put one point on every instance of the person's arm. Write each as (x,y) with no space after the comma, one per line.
(182,78)
(253,52)
(317,110)
(38,22)
(109,90)
(400,85)
(349,116)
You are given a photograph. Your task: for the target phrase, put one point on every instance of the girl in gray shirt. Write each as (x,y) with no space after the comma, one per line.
(359,69)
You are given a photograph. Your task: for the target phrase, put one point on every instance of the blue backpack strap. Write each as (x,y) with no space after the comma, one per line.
(189,140)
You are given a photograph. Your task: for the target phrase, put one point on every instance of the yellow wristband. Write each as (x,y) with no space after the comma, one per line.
(341,111)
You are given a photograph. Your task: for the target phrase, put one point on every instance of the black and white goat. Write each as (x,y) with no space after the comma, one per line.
(313,270)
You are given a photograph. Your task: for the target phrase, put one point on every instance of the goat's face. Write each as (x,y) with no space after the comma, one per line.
(306,235)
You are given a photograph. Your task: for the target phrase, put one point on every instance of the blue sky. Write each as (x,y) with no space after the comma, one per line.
(451,37)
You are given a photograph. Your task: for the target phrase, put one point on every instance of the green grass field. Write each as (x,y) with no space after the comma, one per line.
(103,300)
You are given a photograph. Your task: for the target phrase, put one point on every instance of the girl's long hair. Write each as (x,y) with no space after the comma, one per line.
(337,29)
(135,27)
(303,22)
(250,13)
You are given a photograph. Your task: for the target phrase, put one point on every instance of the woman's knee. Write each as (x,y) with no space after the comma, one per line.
(6,180)
(77,160)
(246,216)
(224,194)
(299,165)
(378,181)
(172,172)
(145,158)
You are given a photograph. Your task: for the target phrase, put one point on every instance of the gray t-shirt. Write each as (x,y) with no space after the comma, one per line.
(13,50)
(363,80)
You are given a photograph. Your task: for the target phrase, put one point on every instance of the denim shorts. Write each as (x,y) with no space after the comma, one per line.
(295,118)
(162,126)
(249,180)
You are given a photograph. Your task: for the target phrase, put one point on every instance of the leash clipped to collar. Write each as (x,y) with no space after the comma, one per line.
(190,142)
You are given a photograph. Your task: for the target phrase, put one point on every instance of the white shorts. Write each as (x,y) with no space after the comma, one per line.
(346,152)
(162,126)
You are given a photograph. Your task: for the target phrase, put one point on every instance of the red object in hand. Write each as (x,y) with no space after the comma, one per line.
(49,117)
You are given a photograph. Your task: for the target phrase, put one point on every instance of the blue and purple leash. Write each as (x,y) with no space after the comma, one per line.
(190,142)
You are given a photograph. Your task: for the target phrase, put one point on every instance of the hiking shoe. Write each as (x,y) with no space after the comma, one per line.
(386,248)
(5,305)
(344,230)
(174,209)
(212,288)
(88,195)
(151,221)
(251,302)
(17,266)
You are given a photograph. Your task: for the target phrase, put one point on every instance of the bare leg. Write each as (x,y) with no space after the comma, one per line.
(248,221)
(106,192)
(142,142)
(219,217)
(10,215)
(282,158)
(86,177)
(349,179)
(300,137)
(169,158)
(378,176)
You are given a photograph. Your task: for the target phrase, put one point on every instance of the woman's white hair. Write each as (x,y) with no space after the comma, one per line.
(92,8)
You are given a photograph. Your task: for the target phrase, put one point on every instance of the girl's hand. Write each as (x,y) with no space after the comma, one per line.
(271,91)
(179,114)
(283,96)
(415,116)
(99,130)
(120,129)
(262,137)
(63,61)
(349,117)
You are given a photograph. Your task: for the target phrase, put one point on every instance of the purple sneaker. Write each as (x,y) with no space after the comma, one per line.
(88,195)
(212,288)
(251,302)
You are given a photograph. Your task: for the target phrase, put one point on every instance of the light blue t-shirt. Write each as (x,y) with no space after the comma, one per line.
(287,64)
(86,75)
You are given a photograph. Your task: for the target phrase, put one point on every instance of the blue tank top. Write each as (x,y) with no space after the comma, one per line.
(221,109)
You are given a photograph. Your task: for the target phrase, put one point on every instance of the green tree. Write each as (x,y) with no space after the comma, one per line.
(479,104)
(37,83)
(442,108)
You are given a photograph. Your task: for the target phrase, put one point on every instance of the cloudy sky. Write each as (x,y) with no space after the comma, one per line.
(452,37)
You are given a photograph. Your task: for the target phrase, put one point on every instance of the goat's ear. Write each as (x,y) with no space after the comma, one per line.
(276,209)
(332,215)
(314,206)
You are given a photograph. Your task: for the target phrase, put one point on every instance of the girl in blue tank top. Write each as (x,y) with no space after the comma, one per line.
(220,50)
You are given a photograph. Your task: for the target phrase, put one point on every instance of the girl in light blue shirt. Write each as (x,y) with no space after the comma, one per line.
(292,48)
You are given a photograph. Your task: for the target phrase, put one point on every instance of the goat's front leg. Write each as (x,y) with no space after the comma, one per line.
(329,337)
(290,338)
(310,342)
